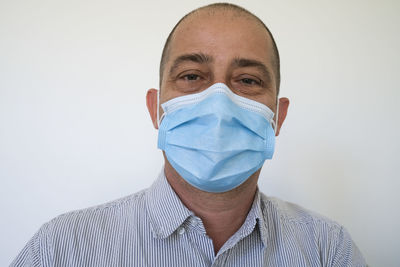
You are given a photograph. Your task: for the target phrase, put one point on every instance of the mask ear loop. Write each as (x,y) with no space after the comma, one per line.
(158,110)
(275,123)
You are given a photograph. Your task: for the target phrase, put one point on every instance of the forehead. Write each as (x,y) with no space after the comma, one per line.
(223,35)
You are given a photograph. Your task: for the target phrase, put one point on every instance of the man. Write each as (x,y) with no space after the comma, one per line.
(217,112)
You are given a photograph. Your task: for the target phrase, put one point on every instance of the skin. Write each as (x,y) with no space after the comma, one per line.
(223,44)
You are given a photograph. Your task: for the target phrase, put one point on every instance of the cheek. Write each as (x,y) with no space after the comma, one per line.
(169,91)
(267,99)
(180,88)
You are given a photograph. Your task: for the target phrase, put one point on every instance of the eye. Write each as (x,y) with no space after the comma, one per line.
(191,81)
(247,84)
(248,81)
(191,77)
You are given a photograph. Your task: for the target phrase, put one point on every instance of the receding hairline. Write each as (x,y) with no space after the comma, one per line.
(211,10)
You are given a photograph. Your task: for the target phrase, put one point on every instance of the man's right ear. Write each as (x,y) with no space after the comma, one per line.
(151,102)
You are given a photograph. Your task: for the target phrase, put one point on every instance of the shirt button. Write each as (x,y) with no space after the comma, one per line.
(193,221)
(181,230)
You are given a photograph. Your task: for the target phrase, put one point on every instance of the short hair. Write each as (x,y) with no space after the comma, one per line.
(227,7)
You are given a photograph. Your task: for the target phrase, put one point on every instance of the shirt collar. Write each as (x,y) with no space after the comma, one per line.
(254,222)
(167,212)
(259,215)
(165,209)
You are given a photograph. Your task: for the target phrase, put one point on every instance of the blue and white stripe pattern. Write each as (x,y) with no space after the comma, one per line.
(154,228)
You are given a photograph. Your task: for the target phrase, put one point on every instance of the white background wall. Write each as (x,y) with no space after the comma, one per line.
(74,129)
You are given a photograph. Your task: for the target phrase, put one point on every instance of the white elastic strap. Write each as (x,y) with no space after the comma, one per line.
(276,115)
(158,108)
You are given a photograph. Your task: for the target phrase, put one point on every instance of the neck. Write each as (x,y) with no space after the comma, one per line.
(215,209)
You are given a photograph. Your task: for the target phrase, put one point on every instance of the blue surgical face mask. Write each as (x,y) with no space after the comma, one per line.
(216,139)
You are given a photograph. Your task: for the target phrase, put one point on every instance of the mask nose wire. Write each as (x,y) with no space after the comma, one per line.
(275,123)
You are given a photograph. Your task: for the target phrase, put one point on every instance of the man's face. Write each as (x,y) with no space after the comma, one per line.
(221,47)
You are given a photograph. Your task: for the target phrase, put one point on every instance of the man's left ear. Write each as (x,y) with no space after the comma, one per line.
(283,109)
(151,102)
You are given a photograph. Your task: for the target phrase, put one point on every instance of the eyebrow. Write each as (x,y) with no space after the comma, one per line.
(194,57)
(244,62)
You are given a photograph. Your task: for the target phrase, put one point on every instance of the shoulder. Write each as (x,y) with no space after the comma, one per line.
(106,215)
(99,224)
(293,225)
(290,213)
(296,222)
(82,234)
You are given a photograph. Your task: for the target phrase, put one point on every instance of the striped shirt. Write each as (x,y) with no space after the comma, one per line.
(154,228)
